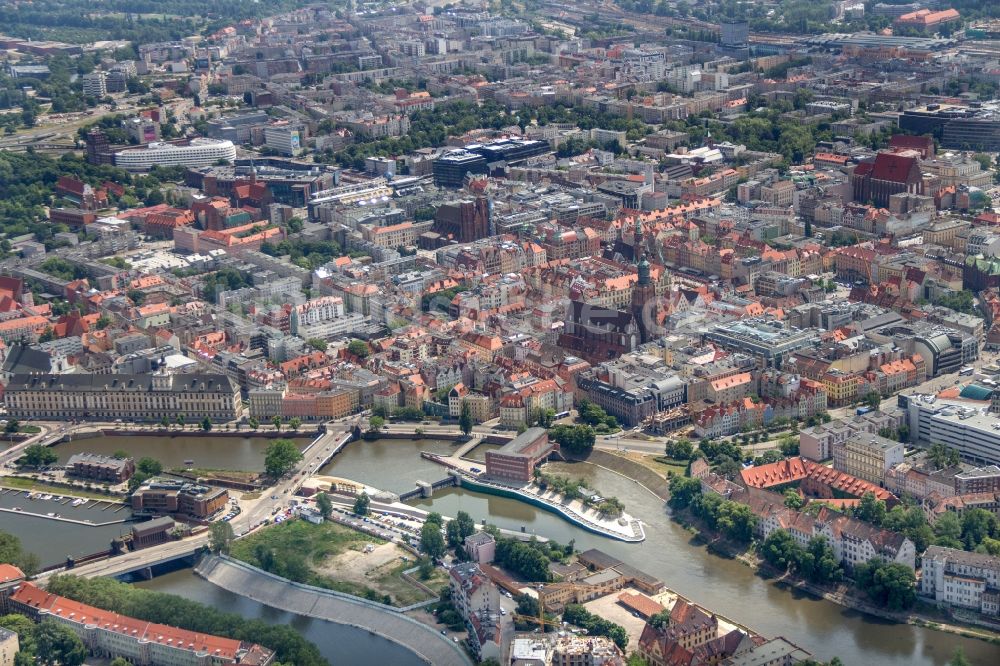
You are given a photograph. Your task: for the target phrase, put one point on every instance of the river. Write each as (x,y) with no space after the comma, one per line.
(208,452)
(825,629)
(340,645)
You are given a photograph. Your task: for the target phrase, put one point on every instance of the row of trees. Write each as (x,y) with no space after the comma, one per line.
(816,562)
(149,606)
(575,439)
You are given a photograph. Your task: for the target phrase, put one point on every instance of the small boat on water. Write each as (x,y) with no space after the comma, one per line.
(17,508)
(50,514)
(78,501)
(46,497)
(188,463)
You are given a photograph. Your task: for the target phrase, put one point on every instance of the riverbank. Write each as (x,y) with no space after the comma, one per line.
(842,595)
(384,621)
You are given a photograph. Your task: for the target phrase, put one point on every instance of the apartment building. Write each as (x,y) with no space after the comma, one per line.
(959,578)
(867,457)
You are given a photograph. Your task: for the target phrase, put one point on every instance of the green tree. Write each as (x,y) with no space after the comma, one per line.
(948,530)
(11,552)
(120,454)
(254,423)
(431,541)
(361,504)
(280,457)
(466,525)
(324,505)
(870,509)
(780,550)
(793,500)
(149,466)
(465,418)
(977,524)
(890,585)
(206,424)
(683,490)
(660,621)
(276,421)
(375,424)
(872,399)
(13,425)
(57,645)
(681,449)
(37,455)
(358,348)
(220,537)
(317,343)
(425,568)
(574,439)
(295,423)
(942,456)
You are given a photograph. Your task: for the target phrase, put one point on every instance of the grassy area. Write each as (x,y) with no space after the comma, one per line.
(21,483)
(662,465)
(321,555)
(224,474)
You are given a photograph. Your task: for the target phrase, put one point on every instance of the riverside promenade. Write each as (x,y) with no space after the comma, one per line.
(379,619)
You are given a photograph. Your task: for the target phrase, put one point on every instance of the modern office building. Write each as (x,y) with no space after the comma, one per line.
(961,127)
(199,152)
(162,497)
(100,468)
(127,397)
(770,341)
(451,168)
(959,424)
(95,84)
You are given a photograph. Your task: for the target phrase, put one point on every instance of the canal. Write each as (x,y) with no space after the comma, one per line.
(825,629)
(340,645)
(229,452)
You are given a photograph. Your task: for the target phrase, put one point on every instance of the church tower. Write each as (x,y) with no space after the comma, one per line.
(644,297)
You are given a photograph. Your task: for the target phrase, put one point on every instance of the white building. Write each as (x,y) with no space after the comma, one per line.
(95,84)
(958,424)
(959,578)
(199,152)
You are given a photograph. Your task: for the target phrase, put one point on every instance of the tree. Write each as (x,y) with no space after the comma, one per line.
(181,420)
(466,525)
(358,348)
(280,457)
(977,524)
(57,644)
(149,466)
(780,550)
(324,505)
(361,504)
(317,343)
(295,423)
(206,424)
(575,439)
(942,456)
(254,423)
(425,568)
(683,490)
(375,424)
(120,454)
(793,500)
(431,541)
(465,419)
(37,455)
(276,421)
(13,425)
(870,509)
(948,530)
(681,449)
(872,399)
(660,621)
(220,537)
(11,552)
(890,585)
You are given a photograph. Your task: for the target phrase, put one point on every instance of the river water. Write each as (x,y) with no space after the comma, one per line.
(340,645)
(823,628)
(726,586)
